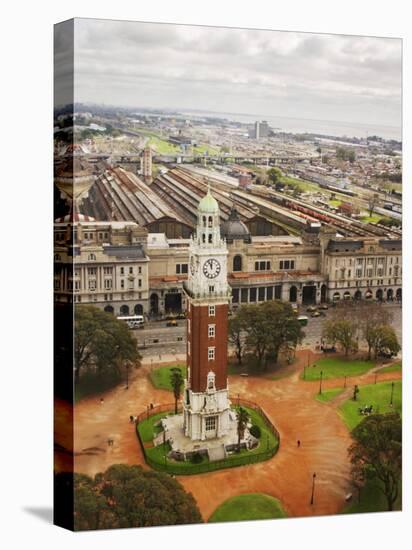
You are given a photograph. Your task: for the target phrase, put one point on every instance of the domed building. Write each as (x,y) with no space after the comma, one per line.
(233,229)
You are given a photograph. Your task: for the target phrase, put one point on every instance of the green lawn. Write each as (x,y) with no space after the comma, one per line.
(336,368)
(248,507)
(397,367)
(160,377)
(303,185)
(147,428)
(375,218)
(327,395)
(378,395)
(372,499)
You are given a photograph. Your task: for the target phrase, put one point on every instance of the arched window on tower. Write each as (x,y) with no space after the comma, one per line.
(237,263)
(203,238)
(204,221)
(210,238)
(210,221)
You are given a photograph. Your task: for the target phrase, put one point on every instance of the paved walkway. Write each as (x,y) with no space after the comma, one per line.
(290,404)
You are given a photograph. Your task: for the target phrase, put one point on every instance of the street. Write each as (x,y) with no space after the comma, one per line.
(157,337)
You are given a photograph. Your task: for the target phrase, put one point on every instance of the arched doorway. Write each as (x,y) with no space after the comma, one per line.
(138,309)
(389,295)
(379,294)
(173,302)
(346,295)
(309,295)
(358,295)
(323,294)
(109,309)
(124,310)
(336,296)
(293,294)
(154,304)
(237,263)
(399,294)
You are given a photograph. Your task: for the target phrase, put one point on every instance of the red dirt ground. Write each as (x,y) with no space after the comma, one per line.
(290,404)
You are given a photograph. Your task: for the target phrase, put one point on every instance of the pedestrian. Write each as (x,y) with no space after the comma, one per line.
(298,442)
(131,418)
(101,401)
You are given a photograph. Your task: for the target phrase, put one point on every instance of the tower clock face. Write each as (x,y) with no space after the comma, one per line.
(211,268)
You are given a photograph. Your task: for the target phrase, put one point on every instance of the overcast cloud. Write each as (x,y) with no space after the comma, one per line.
(329,77)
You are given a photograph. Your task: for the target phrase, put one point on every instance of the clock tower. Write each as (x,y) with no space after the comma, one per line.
(206,405)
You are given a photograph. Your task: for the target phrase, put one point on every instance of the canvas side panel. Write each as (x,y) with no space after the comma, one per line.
(63,271)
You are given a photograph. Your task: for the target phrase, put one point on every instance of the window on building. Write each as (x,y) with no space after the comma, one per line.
(349,273)
(237,263)
(181,269)
(369,272)
(56,285)
(131,270)
(57,258)
(211,353)
(212,311)
(139,283)
(359,273)
(287,264)
(122,271)
(211,288)
(211,423)
(244,295)
(92,257)
(108,270)
(211,329)
(269,293)
(261,294)
(122,283)
(235,295)
(108,284)
(92,285)
(91,270)
(76,285)
(252,295)
(262,265)
(210,238)
(139,269)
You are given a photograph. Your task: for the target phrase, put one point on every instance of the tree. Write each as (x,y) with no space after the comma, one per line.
(275,175)
(377,453)
(355,392)
(342,331)
(176,379)
(270,328)
(128,496)
(373,203)
(372,315)
(103,347)
(383,339)
(236,337)
(242,420)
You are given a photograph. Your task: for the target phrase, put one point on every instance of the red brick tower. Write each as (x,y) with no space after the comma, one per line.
(206,404)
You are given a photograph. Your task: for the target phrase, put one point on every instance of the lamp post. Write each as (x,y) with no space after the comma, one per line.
(393,386)
(320,382)
(313,488)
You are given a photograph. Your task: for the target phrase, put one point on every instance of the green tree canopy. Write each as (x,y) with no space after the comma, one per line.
(377,453)
(103,346)
(128,496)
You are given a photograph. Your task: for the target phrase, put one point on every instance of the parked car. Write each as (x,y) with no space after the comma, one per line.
(323,306)
(386,354)
(328,348)
(315,313)
(172,323)
(311,308)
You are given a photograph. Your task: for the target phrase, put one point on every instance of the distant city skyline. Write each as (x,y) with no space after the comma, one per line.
(223,70)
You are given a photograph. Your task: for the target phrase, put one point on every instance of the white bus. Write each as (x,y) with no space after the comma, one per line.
(132,321)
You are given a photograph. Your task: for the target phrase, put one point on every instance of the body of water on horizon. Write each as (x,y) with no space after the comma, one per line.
(301,125)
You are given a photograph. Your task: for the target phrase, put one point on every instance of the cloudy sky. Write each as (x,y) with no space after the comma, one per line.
(272,73)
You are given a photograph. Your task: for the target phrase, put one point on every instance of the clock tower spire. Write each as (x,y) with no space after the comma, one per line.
(206,402)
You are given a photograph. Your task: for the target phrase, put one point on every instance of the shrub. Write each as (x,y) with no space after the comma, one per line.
(255,431)
(196,458)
